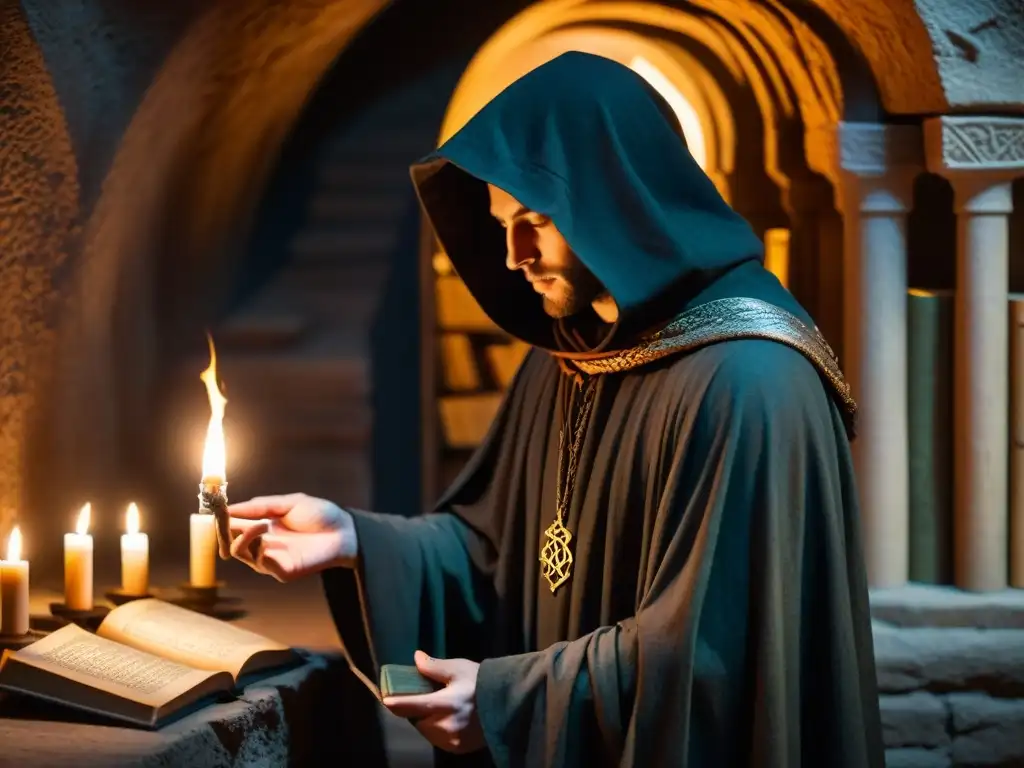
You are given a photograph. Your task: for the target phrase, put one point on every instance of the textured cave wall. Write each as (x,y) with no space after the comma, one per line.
(137,139)
(39,221)
(175,115)
(979,51)
(101,56)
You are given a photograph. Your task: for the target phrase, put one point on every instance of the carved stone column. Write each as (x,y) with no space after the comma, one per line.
(980,156)
(878,164)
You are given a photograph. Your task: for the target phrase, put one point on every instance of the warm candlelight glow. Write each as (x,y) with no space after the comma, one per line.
(131,519)
(14,546)
(214,455)
(134,555)
(14,589)
(84,518)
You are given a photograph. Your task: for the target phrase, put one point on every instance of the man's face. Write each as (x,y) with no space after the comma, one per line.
(535,246)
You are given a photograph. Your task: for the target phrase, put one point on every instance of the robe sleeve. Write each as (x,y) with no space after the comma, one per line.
(751,642)
(416,576)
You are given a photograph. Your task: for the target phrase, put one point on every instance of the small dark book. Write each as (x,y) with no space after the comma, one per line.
(148,663)
(402,680)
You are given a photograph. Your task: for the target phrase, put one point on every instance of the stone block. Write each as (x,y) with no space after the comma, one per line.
(916,757)
(927,605)
(457,309)
(987,731)
(458,363)
(466,419)
(505,359)
(917,719)
(991,661)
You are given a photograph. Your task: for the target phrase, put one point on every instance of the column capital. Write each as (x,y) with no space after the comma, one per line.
(877,149)
(980,156)
(975,145)
(877,165)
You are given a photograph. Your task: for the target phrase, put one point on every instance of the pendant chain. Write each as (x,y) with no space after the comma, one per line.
(556,555)
(563,491)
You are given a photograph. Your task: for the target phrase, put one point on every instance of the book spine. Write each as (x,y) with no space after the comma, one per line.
(930,428)
(1016,441)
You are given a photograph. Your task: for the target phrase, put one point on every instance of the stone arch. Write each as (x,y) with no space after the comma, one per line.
(183,186)
(724,58)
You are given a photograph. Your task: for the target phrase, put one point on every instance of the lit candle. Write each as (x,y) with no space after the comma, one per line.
(203,525)
(78,564)
(134,555)
(14,588)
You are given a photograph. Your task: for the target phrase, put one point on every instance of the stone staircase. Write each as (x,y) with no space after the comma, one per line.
(295,359)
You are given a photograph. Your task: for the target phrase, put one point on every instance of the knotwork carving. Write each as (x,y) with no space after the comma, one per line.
(982,142)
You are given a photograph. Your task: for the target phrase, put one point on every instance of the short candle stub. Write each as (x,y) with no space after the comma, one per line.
(213,500)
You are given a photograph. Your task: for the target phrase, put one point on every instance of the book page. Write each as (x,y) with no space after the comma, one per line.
(185,636)
(78,655)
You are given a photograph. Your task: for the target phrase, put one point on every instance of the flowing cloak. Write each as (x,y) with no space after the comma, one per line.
(717,612)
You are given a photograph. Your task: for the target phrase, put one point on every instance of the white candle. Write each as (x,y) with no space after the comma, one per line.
(202,550)
(78,564)
(203,526)
(134,555)
(14,589)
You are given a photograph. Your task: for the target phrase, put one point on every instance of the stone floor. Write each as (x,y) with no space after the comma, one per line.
(950,666)
(951,676)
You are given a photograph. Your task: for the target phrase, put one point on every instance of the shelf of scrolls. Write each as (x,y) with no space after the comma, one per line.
(477,363)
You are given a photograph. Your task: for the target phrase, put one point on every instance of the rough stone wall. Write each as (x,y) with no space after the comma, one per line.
(179,134)
(150,128)
(979,48)
(951,677)
(38,225)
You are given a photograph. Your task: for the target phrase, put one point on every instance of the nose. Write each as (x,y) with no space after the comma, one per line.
(519,247)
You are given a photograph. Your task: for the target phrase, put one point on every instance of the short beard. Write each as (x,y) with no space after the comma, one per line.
(580,290)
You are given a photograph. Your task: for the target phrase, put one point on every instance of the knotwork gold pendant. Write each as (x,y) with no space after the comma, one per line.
(556,557)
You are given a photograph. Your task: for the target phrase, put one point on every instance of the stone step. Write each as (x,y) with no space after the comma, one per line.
(263,332)
(399,131)
(340,477)
(364,177)
(949,659)
(344,246)
(953,730)
(287,375)
(333,211)
(927,605)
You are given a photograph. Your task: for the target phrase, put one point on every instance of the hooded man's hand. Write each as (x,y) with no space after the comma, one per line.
(291,536)
(447,718)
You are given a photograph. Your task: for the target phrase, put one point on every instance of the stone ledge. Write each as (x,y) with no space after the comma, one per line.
(964,729)
(315,714)
(917,719)
(944,660)
(926,605)
(914,757)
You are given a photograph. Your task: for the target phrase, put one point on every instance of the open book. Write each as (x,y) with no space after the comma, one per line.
(148,663)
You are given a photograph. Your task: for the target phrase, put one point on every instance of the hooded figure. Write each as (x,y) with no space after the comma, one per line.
(655,555)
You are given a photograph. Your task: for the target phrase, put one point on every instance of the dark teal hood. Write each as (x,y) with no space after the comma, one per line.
(584,140)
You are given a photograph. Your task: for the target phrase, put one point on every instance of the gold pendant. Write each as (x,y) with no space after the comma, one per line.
(556,557)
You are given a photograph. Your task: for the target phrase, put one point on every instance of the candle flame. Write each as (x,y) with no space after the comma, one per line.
(84,518)
(214,461)
(131,519)
(14,545)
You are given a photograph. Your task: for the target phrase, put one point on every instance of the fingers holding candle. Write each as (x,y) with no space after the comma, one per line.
(220,513)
